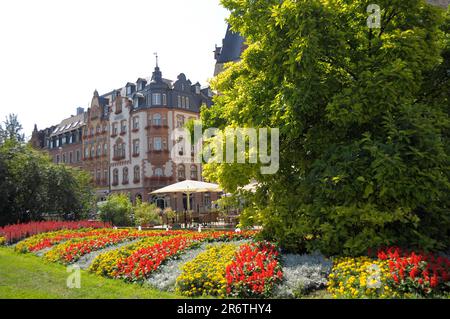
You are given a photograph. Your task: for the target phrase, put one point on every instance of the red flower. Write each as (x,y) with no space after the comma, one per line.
(434,281)
(413,273)
(395,278)
(255,268)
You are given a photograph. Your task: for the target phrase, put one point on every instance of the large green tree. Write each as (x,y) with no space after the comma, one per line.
(31,186)
(364,148)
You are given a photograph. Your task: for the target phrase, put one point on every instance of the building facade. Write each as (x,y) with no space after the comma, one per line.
(96,145)
(231,50)
(63,142)
(126,138)
(143,117)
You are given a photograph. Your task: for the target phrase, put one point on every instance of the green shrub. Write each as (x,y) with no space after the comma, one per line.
(146,214)
(117,210)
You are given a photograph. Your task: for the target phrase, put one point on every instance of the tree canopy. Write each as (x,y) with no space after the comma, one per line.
(364,122)
(31,186)
(11,130)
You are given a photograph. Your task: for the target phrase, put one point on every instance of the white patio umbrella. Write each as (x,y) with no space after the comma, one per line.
(251,187)
(189,187)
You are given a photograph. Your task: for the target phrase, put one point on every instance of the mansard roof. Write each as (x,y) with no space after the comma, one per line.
(69,124)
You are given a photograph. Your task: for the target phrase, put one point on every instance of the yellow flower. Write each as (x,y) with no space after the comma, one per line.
(209,270)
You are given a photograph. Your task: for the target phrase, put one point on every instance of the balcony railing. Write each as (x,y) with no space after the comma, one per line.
(162,124)
(156,152)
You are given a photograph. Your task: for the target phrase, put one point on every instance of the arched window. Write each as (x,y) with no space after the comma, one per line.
(115,176)
(98,129)
(181,172)
(194,172)
(123,127)
(99,150)
(180,120)
(118,105)
(125,175)
(157,119)
(137,174)
(105,149)
(119,149)
(158,172)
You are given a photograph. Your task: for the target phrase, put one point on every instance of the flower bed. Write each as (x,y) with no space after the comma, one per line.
(423,274)
(303,274)
(46,240)
(254,272)
(141,263)
(106,264)
(206,274)
(360,277)
(394,274)
(14,233)
(72,250)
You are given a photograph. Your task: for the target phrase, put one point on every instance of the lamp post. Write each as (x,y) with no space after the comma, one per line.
(188,207)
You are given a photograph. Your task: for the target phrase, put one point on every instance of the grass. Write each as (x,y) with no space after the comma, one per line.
(319,294)
(30,277)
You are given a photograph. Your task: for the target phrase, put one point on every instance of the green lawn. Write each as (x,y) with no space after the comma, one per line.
(28,276)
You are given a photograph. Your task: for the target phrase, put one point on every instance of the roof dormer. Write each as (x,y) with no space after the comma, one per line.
(130,88)
(141,83)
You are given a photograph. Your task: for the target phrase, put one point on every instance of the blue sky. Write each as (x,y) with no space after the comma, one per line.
(55,53)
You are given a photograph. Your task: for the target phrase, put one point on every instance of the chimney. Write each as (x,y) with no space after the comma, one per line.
(80,110)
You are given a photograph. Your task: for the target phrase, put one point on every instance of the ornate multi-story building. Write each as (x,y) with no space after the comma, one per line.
(96,144)
(143,118)
(124,140)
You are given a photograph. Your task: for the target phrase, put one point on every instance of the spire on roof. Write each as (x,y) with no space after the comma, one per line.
(156,56)
(157,74)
